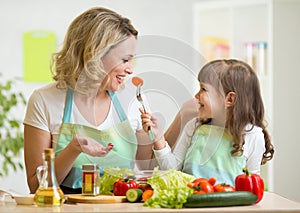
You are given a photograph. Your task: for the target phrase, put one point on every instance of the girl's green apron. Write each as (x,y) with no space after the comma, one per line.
(121,135)
(209,155)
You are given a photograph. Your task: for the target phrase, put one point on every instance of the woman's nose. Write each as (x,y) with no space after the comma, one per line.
(128,70)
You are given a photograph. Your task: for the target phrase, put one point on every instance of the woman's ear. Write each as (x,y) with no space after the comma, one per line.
(230,99)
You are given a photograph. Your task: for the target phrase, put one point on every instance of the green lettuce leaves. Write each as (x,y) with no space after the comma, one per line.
(170,189)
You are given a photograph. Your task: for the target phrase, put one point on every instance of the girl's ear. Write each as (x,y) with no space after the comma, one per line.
(230,99)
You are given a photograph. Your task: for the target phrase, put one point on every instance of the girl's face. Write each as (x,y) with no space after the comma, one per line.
(118,63)
(211,104)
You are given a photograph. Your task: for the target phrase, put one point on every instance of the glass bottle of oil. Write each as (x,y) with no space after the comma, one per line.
(49,192)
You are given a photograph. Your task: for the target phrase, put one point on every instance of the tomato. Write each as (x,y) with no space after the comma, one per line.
(144,186)
(212,180)
(223,187)
(201,186)
(122,185)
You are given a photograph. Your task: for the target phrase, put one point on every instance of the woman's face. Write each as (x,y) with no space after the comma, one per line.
(211,104)
(118,63)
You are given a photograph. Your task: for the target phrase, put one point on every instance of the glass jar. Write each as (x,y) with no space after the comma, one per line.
(90,179)
(251,52)
(261,66)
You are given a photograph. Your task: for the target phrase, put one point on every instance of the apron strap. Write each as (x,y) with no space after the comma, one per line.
(69,102)
(117,105)
(68,106)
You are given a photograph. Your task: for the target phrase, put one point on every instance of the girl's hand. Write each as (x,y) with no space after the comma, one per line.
(92,147)
(150,121)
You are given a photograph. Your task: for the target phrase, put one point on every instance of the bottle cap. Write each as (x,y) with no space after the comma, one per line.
(48,153)
(90,167)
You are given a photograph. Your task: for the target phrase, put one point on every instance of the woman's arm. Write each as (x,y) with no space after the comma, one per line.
(187,112)
(35,141)
(145,158)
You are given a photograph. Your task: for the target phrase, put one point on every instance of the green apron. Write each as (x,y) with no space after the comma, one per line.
(209,155)
(121,135)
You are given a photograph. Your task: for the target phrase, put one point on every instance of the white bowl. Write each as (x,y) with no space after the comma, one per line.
(24,199)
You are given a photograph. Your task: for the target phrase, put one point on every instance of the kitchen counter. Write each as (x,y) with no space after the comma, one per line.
(271,202)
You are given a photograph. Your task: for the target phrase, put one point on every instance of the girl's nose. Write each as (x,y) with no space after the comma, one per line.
(197,95)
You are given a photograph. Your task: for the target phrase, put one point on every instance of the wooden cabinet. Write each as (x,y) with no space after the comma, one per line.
(232,23)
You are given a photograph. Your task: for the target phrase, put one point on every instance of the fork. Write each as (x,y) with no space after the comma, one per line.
(140,99)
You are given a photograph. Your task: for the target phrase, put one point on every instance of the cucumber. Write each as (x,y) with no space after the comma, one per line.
(237,198)
(134,195)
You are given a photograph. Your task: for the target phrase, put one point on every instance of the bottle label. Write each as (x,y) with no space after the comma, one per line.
(88,183)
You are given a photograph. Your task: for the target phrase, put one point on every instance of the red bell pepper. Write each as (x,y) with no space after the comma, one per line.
(122,185)
(250,182)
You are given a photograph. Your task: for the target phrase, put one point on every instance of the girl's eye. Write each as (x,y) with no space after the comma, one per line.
(202,89)
(125,60)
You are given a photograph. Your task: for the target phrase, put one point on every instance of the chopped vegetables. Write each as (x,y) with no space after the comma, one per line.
(134,195)
(147,194)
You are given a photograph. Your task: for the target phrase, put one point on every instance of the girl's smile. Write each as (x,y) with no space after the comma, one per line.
(211,104)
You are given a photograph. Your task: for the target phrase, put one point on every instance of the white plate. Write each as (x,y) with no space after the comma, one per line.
(24,199)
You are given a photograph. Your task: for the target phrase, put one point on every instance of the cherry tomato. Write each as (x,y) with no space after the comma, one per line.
(223,187)
(201,186)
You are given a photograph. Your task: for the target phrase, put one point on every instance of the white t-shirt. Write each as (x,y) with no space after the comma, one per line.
(254,148)
(45,109)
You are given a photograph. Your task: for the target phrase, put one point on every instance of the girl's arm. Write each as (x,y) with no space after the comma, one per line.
(162,150)
(253,149)
(174,160)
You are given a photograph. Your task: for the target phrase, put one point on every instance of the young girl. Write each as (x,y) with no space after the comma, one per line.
(229,133)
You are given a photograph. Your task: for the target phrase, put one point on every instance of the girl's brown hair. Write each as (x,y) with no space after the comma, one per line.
(89,37)
(238,77)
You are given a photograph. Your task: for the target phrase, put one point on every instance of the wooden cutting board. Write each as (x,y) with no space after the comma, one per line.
(79,198)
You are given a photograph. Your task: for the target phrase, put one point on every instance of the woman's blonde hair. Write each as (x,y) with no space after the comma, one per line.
(237,76)
(89,37)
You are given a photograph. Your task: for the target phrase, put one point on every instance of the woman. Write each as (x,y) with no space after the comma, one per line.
(89,114)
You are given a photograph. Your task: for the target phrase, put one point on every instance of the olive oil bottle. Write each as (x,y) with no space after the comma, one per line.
(49,192)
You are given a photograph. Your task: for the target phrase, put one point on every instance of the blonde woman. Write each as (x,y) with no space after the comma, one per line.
(89,114)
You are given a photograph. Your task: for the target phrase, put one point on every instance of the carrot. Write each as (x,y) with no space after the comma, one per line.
(136,81)
(147,194)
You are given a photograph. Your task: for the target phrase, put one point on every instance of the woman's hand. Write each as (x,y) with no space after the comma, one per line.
(92,147)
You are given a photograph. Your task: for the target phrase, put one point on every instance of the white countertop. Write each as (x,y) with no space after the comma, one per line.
(271,202)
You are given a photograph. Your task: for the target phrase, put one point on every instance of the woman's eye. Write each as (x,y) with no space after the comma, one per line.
(125,60)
